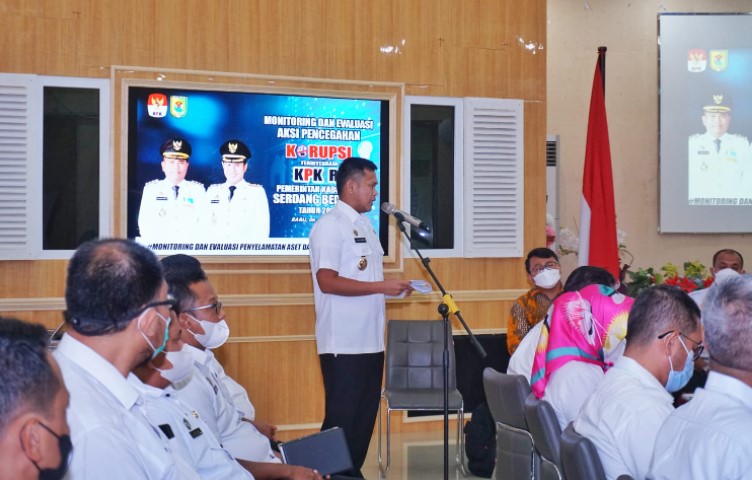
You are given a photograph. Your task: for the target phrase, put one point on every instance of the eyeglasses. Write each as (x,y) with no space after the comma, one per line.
(168,302)
(696,350)
(546,266)
(217,307)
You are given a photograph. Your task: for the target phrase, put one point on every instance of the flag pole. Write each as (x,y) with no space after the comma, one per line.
(602,63)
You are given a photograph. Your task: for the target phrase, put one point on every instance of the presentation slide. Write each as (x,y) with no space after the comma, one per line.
(705,123)
(243,173)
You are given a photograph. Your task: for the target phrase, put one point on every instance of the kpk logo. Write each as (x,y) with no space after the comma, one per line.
(697,60)
(156,105)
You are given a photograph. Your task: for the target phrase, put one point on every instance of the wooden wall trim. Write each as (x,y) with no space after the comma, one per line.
(274,300)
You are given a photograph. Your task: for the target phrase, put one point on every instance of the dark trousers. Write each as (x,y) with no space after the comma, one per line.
(352,387)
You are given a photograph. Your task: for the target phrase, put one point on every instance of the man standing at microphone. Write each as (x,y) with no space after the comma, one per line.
(349,288)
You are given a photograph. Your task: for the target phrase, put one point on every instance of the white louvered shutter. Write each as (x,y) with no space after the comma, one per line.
(493,178)
(20,166)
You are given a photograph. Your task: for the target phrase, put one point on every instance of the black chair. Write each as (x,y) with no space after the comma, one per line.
(544,427)
(579,457)
(414,377)
(516,457)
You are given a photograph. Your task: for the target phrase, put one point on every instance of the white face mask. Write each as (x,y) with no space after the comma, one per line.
(548,278)
(215,334)
(182,366)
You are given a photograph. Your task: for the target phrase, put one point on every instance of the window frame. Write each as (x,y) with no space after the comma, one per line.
(458,104)
(32,248)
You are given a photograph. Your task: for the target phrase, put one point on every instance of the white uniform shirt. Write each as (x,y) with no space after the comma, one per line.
(162,217)
(521,361)
(709,437)
(245,218)
(345,241)
(111,438)
(569,387)
(206,394)
(718,174)
(622,417)
(236,392)
(187,434)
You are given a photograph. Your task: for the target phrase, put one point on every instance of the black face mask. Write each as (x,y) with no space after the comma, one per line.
(66,447)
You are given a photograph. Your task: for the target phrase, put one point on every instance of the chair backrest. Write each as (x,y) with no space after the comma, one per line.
(579,457)
(414,355)
(515,452)
(506,396)
(544,426)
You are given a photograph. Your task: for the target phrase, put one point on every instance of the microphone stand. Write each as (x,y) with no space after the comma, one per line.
(446,306)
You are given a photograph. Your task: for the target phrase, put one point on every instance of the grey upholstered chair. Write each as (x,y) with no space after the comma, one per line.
(546,432)
(579,457)
(414,376)
(516,457)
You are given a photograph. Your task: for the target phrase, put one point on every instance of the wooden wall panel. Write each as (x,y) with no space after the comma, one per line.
(463,48)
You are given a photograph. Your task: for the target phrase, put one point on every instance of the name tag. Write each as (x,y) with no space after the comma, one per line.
(161,198)
(360,240)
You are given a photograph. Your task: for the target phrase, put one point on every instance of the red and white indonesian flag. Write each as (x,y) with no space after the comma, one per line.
(598,244)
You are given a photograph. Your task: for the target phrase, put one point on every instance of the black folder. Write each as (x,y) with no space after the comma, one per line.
(324,451)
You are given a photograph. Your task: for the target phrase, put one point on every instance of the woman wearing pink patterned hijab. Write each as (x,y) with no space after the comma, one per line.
(587,327)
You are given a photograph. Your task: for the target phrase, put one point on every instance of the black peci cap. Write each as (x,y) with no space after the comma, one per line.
(234,151)
(176,147)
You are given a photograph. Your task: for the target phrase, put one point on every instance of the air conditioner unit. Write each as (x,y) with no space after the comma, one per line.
(552,178)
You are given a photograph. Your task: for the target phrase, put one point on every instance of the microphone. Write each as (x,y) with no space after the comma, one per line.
(401,216)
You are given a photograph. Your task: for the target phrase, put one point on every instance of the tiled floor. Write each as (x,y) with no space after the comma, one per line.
(415,456)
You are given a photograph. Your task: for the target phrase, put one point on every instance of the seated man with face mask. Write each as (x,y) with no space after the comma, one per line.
(183,427)
(542,266)
(203,328)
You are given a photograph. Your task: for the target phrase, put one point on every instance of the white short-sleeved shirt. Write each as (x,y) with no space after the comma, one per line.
(622,417)
(245,218)
(569,387)
(345,241)
(111,438)
(187,434)
(708,437)
(521,361)
(206,394)
(234,390)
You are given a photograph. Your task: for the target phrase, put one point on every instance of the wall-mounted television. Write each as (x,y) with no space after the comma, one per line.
(296,143)
(705,122)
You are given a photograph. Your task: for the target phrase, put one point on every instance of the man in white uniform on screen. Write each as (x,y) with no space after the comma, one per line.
(718,160)
(171,207)
(238,210)
(349,289)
